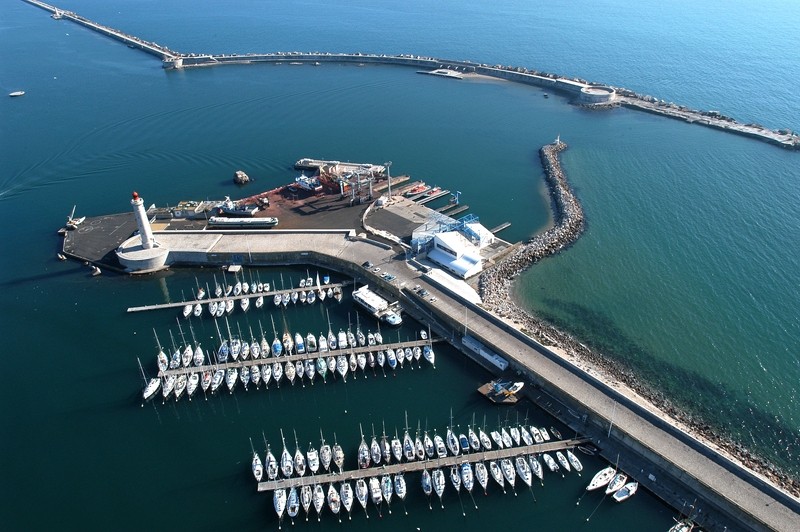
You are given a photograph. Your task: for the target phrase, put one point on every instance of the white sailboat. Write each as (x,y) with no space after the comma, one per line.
(601,478)
(362,493)
(616,483)
(497,474)
(482,475)
(346,496)
(576,464)
(256,465)
(438,483)
(508,471)
(467,478)
(523,470)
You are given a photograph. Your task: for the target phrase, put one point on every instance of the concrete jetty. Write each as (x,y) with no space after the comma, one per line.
(419,465)
(582,92)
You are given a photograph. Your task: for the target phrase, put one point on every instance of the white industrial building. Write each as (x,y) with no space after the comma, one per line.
(455,245)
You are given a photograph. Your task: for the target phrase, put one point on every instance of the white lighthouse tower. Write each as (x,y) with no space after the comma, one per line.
(142,222)
(141,253)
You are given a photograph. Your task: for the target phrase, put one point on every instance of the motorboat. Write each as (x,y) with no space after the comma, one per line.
(551,464)
(463,442)
(563,461)
(467,478)
(482,474)
(311,343)
(312,457)
(617,482)
(601,478)
(497,474)
(626,492)
(576,464)
(391,358)
(523,470)
(341,339)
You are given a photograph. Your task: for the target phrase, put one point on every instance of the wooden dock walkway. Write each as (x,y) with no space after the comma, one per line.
(294,358)
(409,467)
(270,294)
(500,227)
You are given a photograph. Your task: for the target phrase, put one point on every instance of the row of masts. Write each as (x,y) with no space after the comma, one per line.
(383,463)
(254,363)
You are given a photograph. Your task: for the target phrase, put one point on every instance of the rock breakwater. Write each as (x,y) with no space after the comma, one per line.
(569,222)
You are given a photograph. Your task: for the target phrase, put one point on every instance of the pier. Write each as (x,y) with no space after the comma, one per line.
(500,227)
(429,198)
(295,358)
(419,465)
(271,293)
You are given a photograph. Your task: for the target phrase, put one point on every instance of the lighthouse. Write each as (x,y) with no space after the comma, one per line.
(141,253)
(142,222)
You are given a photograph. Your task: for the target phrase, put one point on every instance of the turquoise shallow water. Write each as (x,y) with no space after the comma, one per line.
(687,272)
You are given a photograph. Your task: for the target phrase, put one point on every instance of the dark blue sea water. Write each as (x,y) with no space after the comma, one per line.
(688,271)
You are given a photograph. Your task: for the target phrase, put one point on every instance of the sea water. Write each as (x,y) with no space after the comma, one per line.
(687,271)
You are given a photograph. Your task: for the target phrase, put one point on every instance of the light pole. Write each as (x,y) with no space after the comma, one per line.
(388,166)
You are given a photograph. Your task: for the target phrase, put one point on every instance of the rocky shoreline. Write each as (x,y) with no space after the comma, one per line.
(569,222)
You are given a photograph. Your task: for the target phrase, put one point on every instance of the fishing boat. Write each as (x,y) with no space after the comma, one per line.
(318,499)
(346,496)
(536,467)
(293,503)
(550,463)
(576,464)
(563,461)
(375,491)
(362,492)
(523,470)
(497,474)
(467,478)
(438,483)
(482,475)
(334,502)
(508,471)
(279,501)
(455,477)
(626,492)
(601,478)
(616,483)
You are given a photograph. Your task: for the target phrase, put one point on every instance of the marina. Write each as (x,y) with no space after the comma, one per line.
(342,251)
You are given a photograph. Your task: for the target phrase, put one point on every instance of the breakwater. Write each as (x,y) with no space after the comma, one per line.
(495,284)
(582,92)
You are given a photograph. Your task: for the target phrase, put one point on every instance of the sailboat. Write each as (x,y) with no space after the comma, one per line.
(161,357)
(318,498)
(151,386)
(616,483)
(338,454)
(362,493)
(363,452)
(550,463)
(299,458)
(311,343)
(524,470)
(400,486)
(427,483)
(279,501)
(325,454)
(180,385)
(305,499)
(576,464)
(438,442)
(256,465)
(300,345)
(375,449)
(346,496)
(313,459)
(271,468)
(497,474)
(455,477)
(467,478)
(293,503)
(191,384)
(563,461)
(334,502)
(287,464)
(438,483)
(397,448)
(536,467)
(375,491)
(482,475)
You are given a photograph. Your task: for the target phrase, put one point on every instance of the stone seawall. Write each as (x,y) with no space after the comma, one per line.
(569,222)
